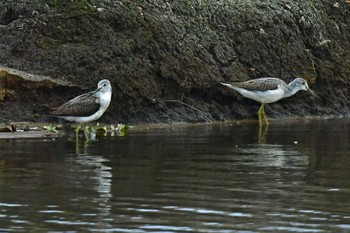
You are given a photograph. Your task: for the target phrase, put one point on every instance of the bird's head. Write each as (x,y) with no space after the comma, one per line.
(104,86)
(301,84)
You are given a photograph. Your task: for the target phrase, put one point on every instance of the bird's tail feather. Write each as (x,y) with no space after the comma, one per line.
(227,85)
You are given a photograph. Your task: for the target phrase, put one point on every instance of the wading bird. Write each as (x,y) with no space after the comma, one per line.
(268,90)
(86,107)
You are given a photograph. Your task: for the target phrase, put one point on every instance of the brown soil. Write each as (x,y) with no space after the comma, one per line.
(160,54)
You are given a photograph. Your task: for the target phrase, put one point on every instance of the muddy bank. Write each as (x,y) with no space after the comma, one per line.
(159,54)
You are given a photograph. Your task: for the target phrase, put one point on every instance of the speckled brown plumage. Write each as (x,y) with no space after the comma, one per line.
(83,105)
(261,84)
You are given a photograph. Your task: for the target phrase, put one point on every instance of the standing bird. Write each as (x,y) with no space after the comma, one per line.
(268,90)
(86,107)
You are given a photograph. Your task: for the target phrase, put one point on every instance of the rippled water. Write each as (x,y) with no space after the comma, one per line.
(208,178)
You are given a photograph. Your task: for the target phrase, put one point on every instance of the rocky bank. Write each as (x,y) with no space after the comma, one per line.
(165,59)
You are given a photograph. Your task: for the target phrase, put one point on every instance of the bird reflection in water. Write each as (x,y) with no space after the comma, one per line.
(262,134)
(98,172)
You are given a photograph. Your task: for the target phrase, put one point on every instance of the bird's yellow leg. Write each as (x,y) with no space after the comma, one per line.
(262,134)
(264,115)
(259,114)
(77,129)
(86,132)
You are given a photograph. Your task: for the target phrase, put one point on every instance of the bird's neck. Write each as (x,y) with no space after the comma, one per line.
(105,99)
(291,89)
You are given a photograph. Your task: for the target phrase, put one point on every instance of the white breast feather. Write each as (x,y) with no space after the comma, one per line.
(262,96)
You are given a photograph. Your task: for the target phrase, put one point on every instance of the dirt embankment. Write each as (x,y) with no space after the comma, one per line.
(159,53)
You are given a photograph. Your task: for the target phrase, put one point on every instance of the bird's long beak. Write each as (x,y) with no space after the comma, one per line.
(98,89)
(312,92)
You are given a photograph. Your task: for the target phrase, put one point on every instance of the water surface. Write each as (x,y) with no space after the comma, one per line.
(208,178)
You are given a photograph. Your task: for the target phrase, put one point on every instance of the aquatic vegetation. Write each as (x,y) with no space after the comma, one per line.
(50,128)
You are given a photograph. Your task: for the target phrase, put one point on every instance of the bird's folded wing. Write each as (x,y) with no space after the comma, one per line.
(259,84)
(83,105)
